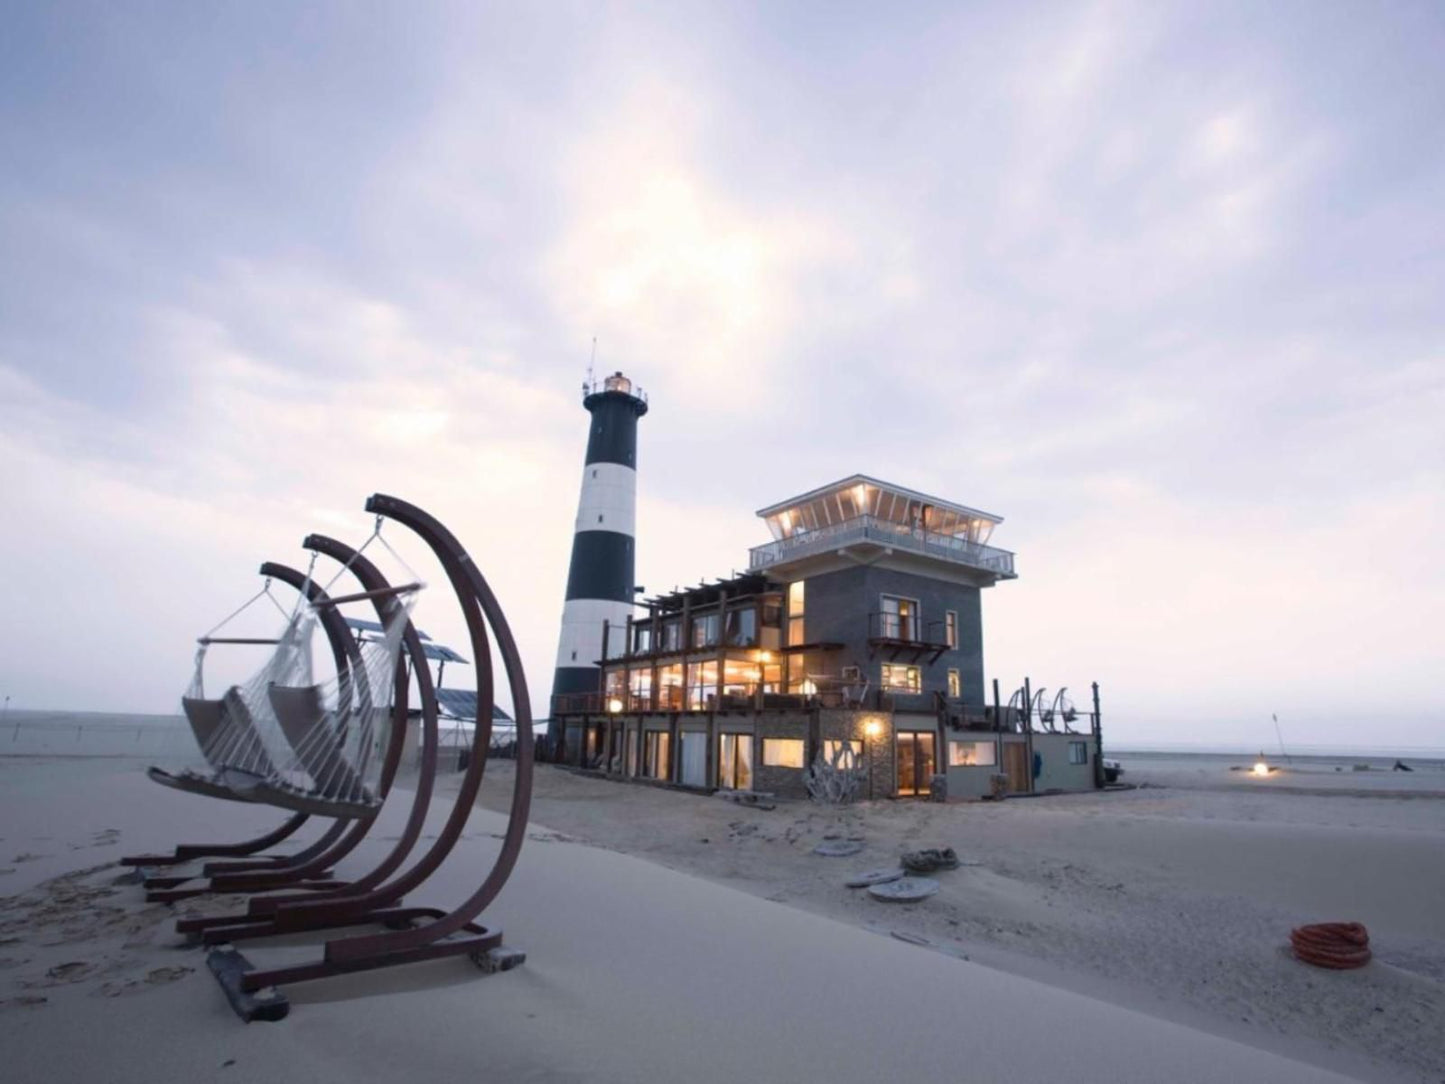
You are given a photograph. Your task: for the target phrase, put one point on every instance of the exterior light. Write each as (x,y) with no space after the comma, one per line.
(873,728)
(614,705)
(765,656)
(1261,768)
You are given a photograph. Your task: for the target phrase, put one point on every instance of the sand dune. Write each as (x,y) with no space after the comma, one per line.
(637,972)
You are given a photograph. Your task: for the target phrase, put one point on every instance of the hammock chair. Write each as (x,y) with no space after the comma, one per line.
(282,739)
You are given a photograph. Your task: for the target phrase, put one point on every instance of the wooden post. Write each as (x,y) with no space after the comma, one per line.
(1098,742)
(1029,729)
(997,730)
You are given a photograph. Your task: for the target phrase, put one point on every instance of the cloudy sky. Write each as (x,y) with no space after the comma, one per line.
(1161,284)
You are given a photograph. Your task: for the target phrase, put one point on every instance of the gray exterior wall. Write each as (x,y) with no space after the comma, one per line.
(838,605)
(1055,771)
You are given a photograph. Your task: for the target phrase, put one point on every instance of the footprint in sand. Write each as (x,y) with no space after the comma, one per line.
(28,857)
(25,1001)
(73,971)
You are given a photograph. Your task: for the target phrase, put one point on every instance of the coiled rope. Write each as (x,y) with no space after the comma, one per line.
(1337,945)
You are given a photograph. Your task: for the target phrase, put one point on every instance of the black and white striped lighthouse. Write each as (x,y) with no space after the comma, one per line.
(600,580)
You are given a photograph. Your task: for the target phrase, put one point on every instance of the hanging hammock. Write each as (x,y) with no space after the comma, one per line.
(283,740)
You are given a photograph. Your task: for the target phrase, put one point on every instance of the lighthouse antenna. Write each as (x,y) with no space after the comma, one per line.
(591,364)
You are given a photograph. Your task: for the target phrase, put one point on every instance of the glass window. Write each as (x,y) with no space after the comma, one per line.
(735,761)
(740,676)
(669,687)
(898,618)
(783,752)
(950,628)
(843,754)
(955,688)
(797,603)
(772,611)
(742,627)
(902,679)
(639,686)
(971,754)
(1078,753)
(616,695)
(702,685)
(704,630)
(672,634)
(641,639)
(656,752)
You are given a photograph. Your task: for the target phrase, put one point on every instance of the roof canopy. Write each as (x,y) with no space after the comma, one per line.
(859,496)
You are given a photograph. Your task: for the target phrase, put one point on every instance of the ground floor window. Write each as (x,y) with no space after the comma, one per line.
(914,753)
(1078,753)
(629,744)
(971,754)
(843,754)
(735,761)
(693,759)
(655,758)
(783,752)
(902,679)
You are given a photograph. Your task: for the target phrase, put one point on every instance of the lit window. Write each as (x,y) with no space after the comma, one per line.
(783,752)
(702,685)
(955,689)
(970,754)
(902,679)
(1078,753)
(950,628)
(898,619)
(704,630)
(843,754)
(796,607)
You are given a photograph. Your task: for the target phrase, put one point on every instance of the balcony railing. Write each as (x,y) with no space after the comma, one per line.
(883,532)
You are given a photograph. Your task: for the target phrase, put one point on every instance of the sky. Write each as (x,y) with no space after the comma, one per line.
(1161,284)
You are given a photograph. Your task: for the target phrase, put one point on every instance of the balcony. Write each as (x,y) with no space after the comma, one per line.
(871,531)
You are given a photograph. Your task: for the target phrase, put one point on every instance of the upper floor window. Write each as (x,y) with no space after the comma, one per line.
(797,604)
(742,627)
(950,628)
(955,686)
(902,679)
(704,630)
(772,611)
(641,639)
(898,618)
(671,635)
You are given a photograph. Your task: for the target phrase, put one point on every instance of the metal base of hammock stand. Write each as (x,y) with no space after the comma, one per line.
(449,933)
(354,903)
(189,852)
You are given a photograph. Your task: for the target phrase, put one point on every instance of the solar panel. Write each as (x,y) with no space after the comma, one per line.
(363,625)
(462,704)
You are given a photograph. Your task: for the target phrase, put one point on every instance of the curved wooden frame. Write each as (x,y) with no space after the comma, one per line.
(447,933)
(353,902)
(314,874)
(342,649)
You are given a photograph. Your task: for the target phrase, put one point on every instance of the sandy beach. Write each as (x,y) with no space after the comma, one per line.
(1130,935)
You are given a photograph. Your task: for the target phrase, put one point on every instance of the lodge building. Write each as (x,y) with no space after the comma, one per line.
(855,633)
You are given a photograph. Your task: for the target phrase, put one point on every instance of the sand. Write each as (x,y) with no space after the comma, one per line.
(1175,901)
(745,959)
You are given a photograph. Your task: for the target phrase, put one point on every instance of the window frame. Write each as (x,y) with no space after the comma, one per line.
(794,745)
(950,629)
(915,617)
(910,689)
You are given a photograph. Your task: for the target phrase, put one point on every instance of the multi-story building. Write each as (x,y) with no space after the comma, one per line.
(856,632)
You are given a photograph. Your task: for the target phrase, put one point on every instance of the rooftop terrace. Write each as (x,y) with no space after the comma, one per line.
(862,515)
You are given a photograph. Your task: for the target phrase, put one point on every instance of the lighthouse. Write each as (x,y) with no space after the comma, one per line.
(600,579)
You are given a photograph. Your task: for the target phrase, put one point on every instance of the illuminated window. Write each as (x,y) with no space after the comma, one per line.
(971,754)
(843,754)
(954,685)
(796,606)
(783,752)
(639,685)
(735,761)
(902,679)
(898,619)
(1078,753)
(950,628)
(669,687)
(702,685)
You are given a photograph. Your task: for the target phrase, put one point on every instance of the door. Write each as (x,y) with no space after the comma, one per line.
(694,758)
(914,752)
(735,761)
(1016,765)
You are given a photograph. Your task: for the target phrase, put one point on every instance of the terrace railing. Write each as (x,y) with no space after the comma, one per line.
(884,533)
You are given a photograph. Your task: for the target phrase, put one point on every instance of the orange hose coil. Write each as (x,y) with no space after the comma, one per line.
(1337,945)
